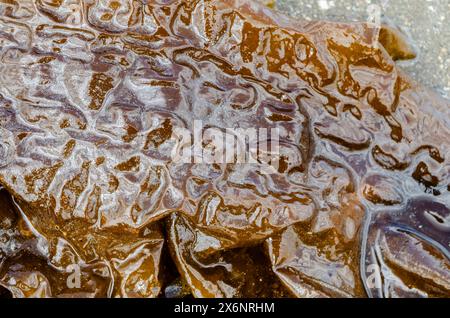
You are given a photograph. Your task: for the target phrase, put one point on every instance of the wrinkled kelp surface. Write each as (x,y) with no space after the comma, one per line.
(92,94)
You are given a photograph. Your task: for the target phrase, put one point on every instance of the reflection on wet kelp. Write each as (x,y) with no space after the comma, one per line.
(93,95)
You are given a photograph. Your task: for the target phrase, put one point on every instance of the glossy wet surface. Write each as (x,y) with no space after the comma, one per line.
(425,23)
(92,98)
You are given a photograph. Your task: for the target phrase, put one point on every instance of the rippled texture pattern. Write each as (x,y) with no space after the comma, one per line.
(92,93)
